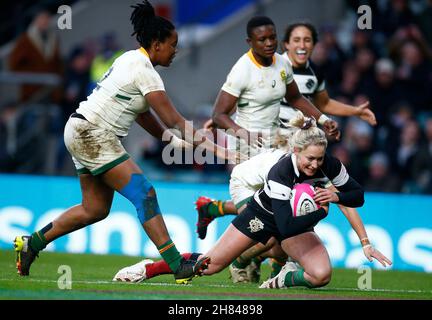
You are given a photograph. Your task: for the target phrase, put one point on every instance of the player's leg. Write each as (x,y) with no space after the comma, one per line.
(147,269)
(308,250)
(96,203)
(128,179)
(210,209)
(247,229)
(246,267)
(232,243)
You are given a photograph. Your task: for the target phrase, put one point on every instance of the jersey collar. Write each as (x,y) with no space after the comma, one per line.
(294,162)
(144,51)
(251,56)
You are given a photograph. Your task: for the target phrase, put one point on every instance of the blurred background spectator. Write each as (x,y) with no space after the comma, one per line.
(37,51)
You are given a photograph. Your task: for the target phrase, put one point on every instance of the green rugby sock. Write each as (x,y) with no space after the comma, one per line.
(296,278)
(240,263)
(215,208)
(38,241)
(170,254)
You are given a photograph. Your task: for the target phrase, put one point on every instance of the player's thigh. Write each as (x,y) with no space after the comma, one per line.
(229,246)
(96,195)
(121,174)
(308,250)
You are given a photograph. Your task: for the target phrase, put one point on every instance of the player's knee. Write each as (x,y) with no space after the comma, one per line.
(321,276)
(141,193)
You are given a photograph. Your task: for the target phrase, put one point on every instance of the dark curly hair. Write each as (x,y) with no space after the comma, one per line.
(147,26)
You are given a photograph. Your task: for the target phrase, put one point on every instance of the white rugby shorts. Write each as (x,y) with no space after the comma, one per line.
(93,149)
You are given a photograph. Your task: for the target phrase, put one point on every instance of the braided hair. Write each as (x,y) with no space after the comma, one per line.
(147,26)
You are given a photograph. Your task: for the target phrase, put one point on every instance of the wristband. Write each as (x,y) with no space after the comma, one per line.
(367,246)
(322,119)
(364,241)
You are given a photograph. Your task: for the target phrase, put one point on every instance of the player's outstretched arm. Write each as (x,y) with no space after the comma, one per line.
(171,118)
(357,224)
(333,107)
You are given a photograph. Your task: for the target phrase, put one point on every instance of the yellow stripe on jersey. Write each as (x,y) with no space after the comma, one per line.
(251,56)
(144,51)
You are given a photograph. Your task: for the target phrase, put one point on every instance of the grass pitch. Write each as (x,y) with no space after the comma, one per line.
(92,274)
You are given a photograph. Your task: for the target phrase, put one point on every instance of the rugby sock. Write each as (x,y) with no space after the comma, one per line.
(170,254)
(241,263)
(217,209)
(38,241)
(161,267)
(296,278)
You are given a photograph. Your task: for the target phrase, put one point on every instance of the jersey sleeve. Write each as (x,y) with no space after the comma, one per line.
(148,80)
(237,80)
(351,193)
(320,77)
(289,73)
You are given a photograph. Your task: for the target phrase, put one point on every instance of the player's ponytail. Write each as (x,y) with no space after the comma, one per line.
(307,134)
(147,26)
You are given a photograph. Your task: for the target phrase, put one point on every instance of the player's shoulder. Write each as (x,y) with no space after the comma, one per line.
(283,168)
(136,58)
(331,163)
(316,70)
(244,61)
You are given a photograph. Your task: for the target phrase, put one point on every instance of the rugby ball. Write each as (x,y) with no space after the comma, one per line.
(302,202)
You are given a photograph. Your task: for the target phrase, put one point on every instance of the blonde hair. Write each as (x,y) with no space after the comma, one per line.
(307,133)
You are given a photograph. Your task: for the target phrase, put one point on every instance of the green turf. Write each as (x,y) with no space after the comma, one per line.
(92,274)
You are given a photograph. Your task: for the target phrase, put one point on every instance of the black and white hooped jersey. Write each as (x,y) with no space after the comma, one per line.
(285,174)
(308,81)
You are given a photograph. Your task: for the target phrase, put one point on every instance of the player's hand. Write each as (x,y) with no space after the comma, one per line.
(325,196)
(331,129)
(255,139)
(209,125)
(366,114)
(371,253)
(180,143)
(231,155)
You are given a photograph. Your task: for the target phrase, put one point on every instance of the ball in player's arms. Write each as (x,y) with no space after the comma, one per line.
(302,200)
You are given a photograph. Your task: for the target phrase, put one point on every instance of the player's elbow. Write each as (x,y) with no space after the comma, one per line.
(217,118)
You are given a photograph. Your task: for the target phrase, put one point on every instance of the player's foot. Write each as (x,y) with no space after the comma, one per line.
(25,255)
(204,218)
(135,273)
(238,275)
(278,282)
(189,269)
(253,271)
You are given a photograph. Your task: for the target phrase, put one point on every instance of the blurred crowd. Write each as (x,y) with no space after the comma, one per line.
(390,65)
